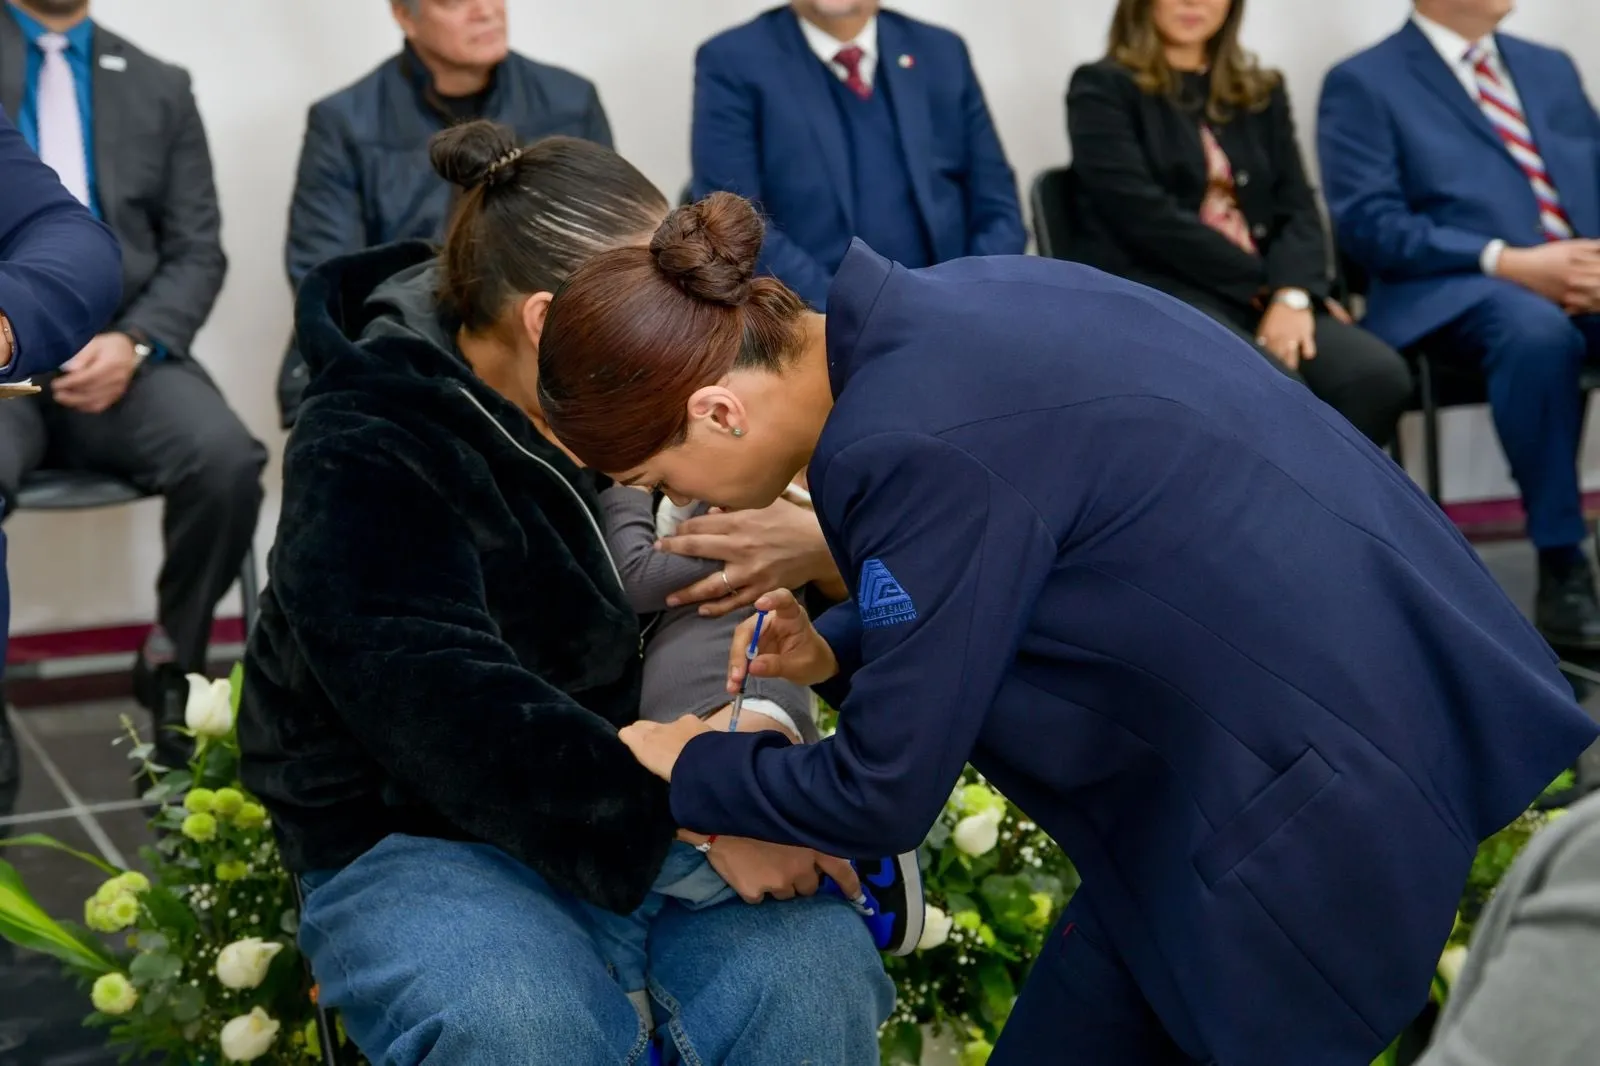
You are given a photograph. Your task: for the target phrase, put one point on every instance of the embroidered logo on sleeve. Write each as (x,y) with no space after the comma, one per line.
(883,602)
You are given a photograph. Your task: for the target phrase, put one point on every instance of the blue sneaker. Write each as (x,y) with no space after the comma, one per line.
(891,901)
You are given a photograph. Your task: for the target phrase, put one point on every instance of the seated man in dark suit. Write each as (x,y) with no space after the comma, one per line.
(841,121)
(1462,170)
(364,176)
(60,278)
(121,129)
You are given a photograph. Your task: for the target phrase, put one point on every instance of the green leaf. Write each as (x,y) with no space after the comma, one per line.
(900,1044)
(187,1004)
(25,923)
(998,991)
(39,840)
(289,922)
(169,912)
(151,942)
(154,966)
(938,836)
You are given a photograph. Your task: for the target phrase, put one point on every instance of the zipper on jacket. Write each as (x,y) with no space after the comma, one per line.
(577,497)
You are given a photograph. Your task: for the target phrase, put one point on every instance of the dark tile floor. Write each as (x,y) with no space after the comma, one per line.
(75,786)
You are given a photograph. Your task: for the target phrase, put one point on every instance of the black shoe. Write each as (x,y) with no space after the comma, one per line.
(163,690)
(1567,611)
(892,903)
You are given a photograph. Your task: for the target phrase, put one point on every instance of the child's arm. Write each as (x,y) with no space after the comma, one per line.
(648,576)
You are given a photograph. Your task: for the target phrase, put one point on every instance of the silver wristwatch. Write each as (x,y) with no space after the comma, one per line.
(1294,299)
(141,352)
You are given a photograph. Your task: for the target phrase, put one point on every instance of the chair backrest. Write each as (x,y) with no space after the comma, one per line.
(1050,200)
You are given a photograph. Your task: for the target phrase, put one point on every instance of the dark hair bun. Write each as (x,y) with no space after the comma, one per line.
(709,249)
(475,153)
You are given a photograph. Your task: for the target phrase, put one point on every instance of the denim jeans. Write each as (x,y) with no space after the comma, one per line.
(455,954)
(624,939)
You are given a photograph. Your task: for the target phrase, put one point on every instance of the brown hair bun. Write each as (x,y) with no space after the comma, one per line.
(709,249)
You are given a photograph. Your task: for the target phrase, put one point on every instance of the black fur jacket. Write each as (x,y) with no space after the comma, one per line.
(444,648)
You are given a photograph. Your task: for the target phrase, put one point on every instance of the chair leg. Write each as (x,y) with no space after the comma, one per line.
(1430,429)
(327,1034)
(249,590)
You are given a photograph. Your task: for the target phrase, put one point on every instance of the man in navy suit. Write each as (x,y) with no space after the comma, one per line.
(842,121)
(1462,170)
(60,280)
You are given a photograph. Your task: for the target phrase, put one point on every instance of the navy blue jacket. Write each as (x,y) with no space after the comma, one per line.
(766,127)
(1205,634)
(1418,182)
(60,270)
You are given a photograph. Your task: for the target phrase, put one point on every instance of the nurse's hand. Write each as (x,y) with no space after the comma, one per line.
(791,647)
(658,746)
(780,546)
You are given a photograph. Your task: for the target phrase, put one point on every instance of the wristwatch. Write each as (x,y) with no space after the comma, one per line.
(141,352)
(1294,299)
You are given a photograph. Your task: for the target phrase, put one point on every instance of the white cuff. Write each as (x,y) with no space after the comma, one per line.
(771,710)
(1489,260)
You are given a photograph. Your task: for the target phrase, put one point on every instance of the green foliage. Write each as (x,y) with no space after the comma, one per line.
(172,921)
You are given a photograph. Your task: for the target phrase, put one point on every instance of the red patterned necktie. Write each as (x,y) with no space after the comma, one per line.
(849,58)
(1503,113)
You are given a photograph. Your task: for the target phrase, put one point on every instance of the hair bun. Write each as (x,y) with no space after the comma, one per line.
(709,249)
(475,153)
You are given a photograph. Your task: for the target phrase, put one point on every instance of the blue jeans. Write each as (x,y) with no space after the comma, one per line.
(455,954)
(624,939)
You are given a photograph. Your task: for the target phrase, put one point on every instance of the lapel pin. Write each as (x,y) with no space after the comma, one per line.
(906,62)
(117,63)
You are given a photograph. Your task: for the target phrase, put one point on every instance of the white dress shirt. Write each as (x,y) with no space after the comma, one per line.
(1453,49)
(826,46)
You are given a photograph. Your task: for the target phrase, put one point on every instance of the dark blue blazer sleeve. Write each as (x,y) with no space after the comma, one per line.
(725,155)
(972,555)
(60,269)
(993,212)
(1361,171)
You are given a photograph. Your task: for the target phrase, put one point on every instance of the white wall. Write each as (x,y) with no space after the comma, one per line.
(258,64)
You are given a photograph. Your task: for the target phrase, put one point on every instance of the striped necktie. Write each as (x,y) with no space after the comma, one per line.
(1500,107)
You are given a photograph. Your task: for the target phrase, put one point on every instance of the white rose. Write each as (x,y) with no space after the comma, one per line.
(243,963)
(1450,964)
(935,929)
(977,834)
(209,712)
(248,1036)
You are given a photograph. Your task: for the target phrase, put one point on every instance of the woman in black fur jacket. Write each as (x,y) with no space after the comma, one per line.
(445,654)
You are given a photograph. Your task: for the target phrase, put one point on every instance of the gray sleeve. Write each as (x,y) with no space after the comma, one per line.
(648,576)
(1531,982)
(686,671)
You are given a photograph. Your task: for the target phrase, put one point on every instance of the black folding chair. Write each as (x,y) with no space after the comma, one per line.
(1050,203)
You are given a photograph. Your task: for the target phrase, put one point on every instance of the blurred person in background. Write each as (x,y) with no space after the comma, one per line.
(122,131)
(1462,171)
(364,177)
(840,120)
(1528,990)
(60,277)
(1188,178)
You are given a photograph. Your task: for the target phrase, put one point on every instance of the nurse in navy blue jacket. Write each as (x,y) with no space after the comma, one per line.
(1194,624)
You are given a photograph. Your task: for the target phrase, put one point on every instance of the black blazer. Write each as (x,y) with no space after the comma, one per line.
(1140,174)
(155,185)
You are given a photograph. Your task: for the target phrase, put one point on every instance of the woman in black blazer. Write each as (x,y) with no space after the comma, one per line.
(1187,178)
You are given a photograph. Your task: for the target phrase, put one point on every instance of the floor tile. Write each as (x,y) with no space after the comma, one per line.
(83,743)
(33,793)
(129,831)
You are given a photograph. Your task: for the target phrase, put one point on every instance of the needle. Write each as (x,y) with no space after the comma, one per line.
(749,657)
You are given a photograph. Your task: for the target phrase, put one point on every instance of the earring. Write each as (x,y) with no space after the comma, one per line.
(737,432)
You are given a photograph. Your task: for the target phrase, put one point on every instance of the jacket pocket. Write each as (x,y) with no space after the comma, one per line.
(1263,816)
